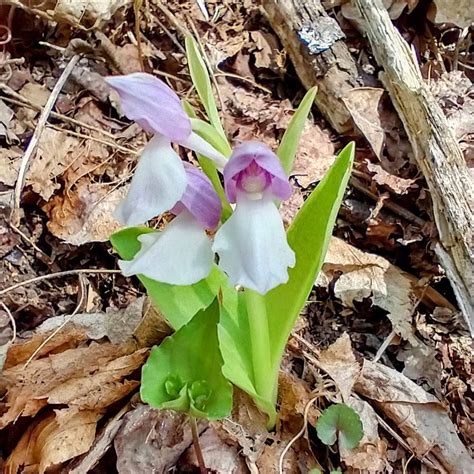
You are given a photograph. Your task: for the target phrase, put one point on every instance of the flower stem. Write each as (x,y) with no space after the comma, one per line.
(260,343)
(197,446)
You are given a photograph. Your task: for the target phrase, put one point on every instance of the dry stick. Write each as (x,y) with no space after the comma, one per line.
(37,134)
(197,446)
(436,151)
(56,275)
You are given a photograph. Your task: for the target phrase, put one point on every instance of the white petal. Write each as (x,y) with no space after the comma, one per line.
(157,185)
(252,246)
(199,145)
(180,255)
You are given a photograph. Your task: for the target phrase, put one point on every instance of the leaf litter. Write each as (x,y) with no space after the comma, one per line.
(76,400)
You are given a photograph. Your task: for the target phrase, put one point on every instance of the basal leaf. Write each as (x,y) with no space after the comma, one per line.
(184,372)
(177,303)
(309,237)
(340,420)
(201,81)
(289,143)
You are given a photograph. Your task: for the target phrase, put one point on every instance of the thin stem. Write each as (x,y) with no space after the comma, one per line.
(260,343)
(197,446)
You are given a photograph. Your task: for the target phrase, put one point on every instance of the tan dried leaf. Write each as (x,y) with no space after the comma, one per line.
(339,361)
(85,215)
(9,165)
(397,184)
(369,275)
(363,105)
(53,440)
(92,376)
(419,416)
(458,13)
(56,151)
(36,93)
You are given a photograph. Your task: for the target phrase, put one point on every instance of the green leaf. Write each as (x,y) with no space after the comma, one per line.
(234,336)
(184,372)
(289,143)
(209,133)
(308,236)
(178,304)
(340,420)
(201,81)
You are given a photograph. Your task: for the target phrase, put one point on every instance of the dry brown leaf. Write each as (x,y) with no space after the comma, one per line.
(56,151)
(363,105)
(219,455)
(315,155)
(397,184)
(9,165)
(340,363)
(458,13)
(101,368)
(419,416)
(85,215)
(368,275)
(118,325)
(152,440)
(53,440)
(6,116)
(36,93)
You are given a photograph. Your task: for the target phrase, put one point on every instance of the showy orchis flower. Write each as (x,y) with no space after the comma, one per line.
(252,245)
(160,179)
(182,253)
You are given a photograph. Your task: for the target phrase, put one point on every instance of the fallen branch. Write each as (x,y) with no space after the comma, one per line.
(436,151)
(313,42)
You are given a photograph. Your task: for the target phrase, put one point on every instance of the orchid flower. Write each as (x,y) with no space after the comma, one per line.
(160,178)
(251,244)
(181,254)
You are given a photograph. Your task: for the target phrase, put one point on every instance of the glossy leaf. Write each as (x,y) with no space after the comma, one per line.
(289,143)
(177,303)
(340,421)
(184,372)
(202,83)
(308,236)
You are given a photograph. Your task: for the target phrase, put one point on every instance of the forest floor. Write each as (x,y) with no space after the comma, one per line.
(382,324)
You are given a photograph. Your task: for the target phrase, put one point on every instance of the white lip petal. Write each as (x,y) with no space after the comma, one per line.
(157,184)
(179,255)
(199,145)
(252,246)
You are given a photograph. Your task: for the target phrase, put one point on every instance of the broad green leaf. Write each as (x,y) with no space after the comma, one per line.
(340,420)
(184,372)
(235,343)
(177,303)
(289,143)
(201,81)
(308,236)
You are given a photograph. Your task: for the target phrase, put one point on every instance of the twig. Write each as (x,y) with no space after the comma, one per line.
(12,319)
(37,134)
(66,320)
(298,435)
(29,241)
(56,275)
(197,446)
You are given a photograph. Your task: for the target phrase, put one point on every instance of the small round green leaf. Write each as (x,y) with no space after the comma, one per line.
(340,420)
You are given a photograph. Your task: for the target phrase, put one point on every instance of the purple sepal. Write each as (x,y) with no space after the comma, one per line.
(152,104)
(200,199)
(242,157)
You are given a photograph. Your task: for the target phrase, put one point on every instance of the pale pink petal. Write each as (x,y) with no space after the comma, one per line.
(252,246)
(242,157)
(157,185)
(200,198)
(152,104)
(179,255)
